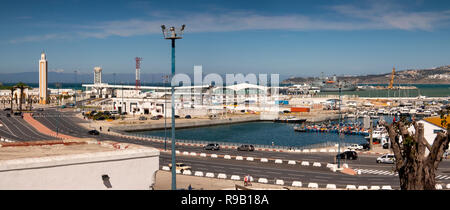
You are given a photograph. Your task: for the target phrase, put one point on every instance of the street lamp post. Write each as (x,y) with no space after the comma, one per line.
(173,34)
(166,79)
(339,131)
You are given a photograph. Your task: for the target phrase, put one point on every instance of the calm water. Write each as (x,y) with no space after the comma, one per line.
(256,133)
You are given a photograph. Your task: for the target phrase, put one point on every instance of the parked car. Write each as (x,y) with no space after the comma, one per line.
(142,118)
(365,146)
(177,116)
(155,118)
(180,166)
(387,158)
(350,155)
(101,118)
(93,132)
(188,117)
(211,147)
(8,115)
(7,109)
(386,146)
(40,109)
(17,113)
(355,147)
(246,147)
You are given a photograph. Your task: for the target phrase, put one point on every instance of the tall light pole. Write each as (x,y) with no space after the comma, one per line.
(339,127)
(172,34)
(166,79)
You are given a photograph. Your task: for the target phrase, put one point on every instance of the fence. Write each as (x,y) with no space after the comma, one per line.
(236,144)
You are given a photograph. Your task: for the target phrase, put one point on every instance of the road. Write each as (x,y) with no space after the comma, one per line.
(373,173)
(15,128)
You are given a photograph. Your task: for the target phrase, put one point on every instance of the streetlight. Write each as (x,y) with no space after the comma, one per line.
(166,79)
(173,34)
(339,127)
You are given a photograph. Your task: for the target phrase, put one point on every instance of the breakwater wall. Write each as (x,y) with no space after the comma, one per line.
(190,124)
(322,118)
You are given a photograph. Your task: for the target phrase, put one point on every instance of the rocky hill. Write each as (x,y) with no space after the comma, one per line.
(439,75)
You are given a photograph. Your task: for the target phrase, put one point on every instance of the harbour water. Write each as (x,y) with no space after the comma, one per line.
(263,133)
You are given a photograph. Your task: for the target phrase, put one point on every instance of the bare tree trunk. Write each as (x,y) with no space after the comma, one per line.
(416,170)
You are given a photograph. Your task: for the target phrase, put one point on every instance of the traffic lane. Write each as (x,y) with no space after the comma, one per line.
(56,124)
(362,161)
(6,132)
(30,129)
(8,135)
(19,130)
(287,174)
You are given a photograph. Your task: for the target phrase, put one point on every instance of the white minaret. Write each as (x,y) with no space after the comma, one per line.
(43,94)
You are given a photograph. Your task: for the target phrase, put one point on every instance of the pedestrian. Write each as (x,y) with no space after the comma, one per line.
(108,129)
(189,187)
(245,180)
(100,128)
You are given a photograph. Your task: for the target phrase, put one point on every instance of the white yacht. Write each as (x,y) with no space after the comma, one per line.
(378,134)
(404,111)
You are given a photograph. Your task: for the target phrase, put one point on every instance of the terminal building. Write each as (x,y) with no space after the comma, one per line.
(196,100)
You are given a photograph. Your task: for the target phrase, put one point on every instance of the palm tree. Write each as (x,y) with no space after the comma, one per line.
(22,86)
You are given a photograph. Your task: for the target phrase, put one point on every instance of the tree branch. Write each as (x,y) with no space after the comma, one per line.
(437,149)
(395,144)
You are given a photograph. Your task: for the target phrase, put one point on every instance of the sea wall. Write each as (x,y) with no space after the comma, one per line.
(190,124)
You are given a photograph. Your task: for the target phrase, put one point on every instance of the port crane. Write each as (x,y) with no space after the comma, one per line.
(391,83)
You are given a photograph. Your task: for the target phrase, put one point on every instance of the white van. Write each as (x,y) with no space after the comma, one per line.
(386,158)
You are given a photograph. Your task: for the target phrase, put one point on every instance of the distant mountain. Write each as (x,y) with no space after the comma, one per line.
(439,75)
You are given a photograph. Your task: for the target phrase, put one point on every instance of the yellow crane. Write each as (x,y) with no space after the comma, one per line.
(391,83)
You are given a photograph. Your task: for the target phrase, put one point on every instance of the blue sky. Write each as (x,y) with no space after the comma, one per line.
(301,38)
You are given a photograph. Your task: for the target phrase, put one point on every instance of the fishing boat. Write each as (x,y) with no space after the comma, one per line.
(300,128)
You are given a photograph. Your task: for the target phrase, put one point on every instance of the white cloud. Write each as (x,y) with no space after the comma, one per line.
(343,17)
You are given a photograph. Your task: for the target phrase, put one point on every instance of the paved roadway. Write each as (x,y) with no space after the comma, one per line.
(15,128)
(67,123)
